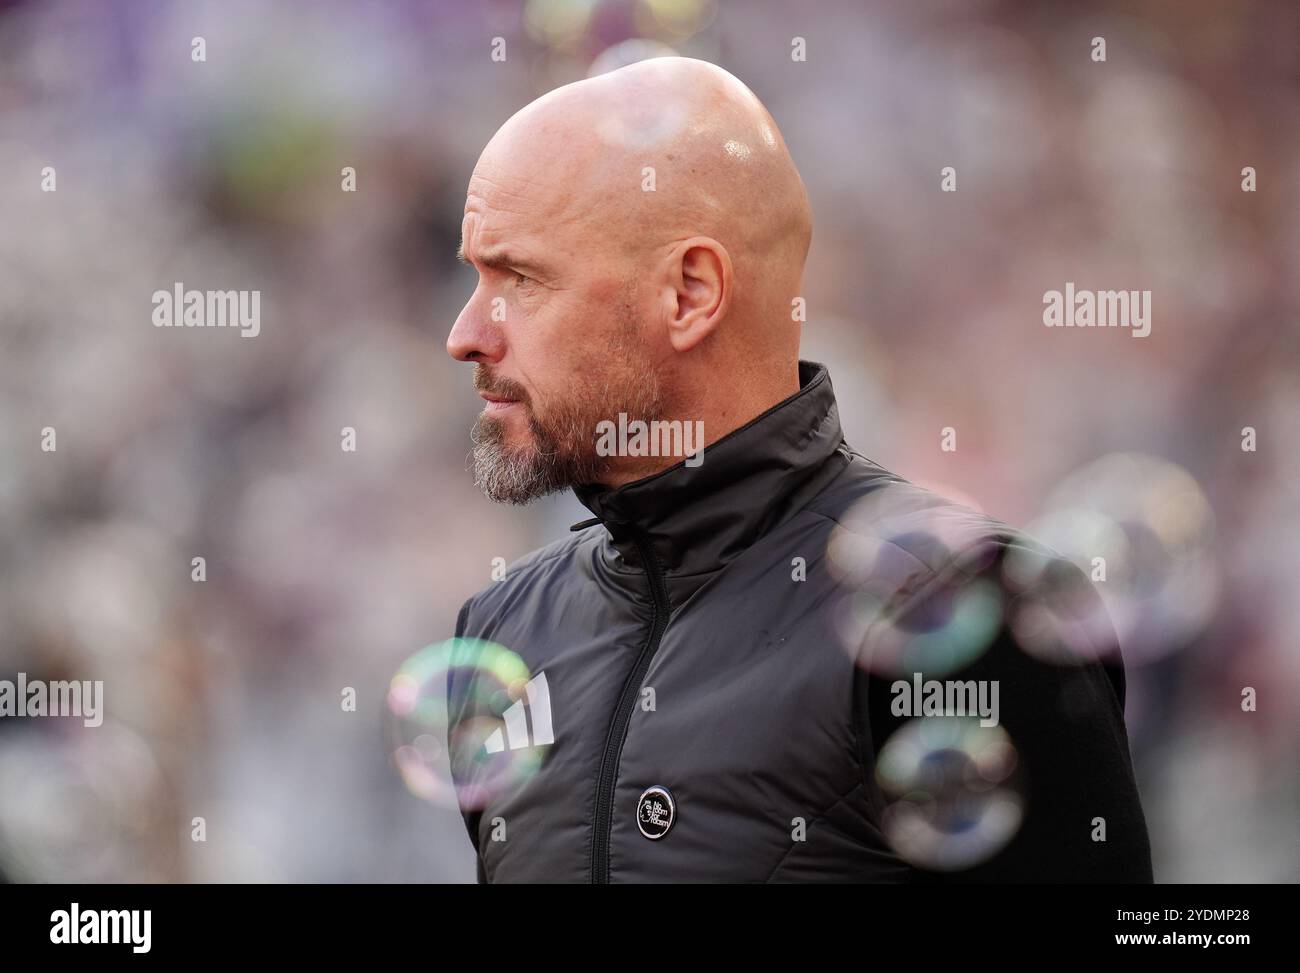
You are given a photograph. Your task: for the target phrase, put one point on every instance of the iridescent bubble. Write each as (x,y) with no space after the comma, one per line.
(894,615)
(941,631)
(458,723)
(1141,530)
(558,22)
(954,794)
(678,18)
(1057,614)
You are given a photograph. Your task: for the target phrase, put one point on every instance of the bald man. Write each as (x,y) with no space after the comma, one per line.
(764,658)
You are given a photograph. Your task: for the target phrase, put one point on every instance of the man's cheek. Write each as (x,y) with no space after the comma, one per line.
(570,314)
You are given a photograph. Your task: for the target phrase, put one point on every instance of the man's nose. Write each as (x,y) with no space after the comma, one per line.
(475,336)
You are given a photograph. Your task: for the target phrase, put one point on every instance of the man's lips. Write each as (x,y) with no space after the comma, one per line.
(495,403)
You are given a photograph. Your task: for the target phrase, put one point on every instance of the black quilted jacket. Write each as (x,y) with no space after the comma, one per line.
(715,661)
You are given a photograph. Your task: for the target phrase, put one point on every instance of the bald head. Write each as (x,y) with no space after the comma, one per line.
(718,166)
(652,220)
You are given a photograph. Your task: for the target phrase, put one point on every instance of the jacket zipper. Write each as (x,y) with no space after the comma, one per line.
(623,716)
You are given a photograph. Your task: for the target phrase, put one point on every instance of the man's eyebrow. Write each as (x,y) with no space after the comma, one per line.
(498,259)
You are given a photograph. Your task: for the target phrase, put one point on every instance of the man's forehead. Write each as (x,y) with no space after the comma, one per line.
(498,187)
(484,235)
(511,208)
(535,164)
(495,204)
(505,238)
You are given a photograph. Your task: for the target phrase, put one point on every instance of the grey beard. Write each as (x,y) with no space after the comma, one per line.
(519,476)
(562,453)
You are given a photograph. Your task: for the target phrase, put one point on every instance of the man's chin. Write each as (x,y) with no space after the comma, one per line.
(513,475)
(517,462)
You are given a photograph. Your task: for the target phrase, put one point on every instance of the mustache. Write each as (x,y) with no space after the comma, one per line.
(504,387)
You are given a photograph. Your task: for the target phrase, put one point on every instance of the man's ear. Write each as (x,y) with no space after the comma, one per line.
(701,280)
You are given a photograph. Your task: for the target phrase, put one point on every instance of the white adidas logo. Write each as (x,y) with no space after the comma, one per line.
(538,697)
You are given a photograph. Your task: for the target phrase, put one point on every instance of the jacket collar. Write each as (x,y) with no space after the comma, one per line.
(696,519)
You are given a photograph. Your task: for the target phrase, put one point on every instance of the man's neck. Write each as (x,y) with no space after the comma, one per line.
(715,415)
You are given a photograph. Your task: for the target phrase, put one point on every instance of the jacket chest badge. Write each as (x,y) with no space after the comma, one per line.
(655,812)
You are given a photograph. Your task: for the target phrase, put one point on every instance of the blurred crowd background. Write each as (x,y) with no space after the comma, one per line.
(326,569)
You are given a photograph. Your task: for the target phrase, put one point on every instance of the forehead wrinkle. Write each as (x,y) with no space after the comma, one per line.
(505,214)
(489,185)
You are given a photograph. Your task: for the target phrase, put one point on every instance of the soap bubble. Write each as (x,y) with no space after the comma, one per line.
(457,723)
(894,615)
(954,793)
(1142,530)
